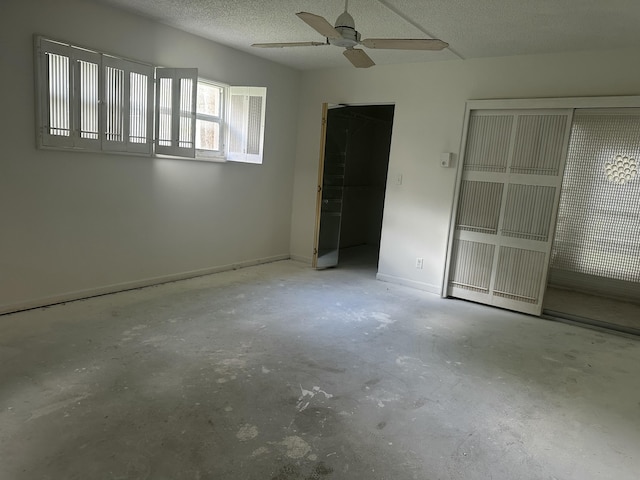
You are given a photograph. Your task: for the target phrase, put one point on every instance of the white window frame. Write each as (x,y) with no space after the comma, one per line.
(220,120)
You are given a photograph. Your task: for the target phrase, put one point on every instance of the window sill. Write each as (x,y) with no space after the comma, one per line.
(205,156)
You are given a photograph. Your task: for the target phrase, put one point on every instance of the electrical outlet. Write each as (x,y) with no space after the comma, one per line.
(419,263)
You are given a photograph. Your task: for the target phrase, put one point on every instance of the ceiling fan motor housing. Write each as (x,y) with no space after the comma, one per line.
(347,28)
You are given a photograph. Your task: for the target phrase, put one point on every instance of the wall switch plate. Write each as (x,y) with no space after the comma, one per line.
(399,179)
(419,263)
(445,159)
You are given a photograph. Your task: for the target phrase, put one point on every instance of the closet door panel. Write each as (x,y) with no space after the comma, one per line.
(479,206)
(528,212)
(519,275)
(507,205)
(471,267)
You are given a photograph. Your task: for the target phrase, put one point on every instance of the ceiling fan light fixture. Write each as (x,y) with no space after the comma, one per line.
(347,28)
(349,37)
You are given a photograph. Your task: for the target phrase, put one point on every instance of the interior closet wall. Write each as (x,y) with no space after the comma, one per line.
(369,142)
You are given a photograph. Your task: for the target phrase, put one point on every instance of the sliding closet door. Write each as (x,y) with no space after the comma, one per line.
(507,206)
(597,243)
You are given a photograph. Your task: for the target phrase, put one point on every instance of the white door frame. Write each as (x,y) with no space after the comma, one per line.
(326,106)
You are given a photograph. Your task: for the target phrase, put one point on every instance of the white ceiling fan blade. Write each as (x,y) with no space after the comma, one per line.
(290,44)
(405,43)
(358,58)
(319,24)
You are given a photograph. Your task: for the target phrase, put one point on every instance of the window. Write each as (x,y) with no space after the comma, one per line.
(246,124)
(92,101)
(209,119)
(241,136)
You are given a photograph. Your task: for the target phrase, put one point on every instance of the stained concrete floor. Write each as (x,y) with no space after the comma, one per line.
(279,372)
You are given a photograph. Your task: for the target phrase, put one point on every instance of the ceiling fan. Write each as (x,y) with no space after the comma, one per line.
(344,34)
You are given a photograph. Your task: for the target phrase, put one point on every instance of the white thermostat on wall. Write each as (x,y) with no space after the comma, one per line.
(445,159)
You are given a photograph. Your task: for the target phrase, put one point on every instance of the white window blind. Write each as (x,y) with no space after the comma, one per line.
(88,75)
(85,99)
(56,111)
(246,123)
(128,103)
(114,100)
(68,81)
(92,101)
(176,95)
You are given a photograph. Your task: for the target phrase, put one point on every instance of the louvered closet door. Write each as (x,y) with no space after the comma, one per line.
(507,205)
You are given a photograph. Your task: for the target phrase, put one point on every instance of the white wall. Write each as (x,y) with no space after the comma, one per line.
(73,222)
(430,101)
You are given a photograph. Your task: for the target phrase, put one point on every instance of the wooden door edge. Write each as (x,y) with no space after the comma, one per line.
(323,141)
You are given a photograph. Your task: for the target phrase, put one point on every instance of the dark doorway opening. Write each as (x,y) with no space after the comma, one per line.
(353,184)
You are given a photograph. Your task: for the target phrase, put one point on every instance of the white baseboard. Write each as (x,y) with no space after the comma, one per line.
(301,258)
(121,287)
(434,289)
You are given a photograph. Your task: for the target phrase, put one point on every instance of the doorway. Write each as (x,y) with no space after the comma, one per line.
(352,178)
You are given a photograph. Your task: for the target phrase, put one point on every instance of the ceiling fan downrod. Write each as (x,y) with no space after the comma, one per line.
(346,26)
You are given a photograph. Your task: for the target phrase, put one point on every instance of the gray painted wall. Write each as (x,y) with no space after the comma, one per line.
(429,103)
(80,223)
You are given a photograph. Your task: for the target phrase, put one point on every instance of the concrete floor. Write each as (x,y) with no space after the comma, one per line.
(279,372)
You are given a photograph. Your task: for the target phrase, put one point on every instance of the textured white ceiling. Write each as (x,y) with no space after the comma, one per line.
(473,28)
